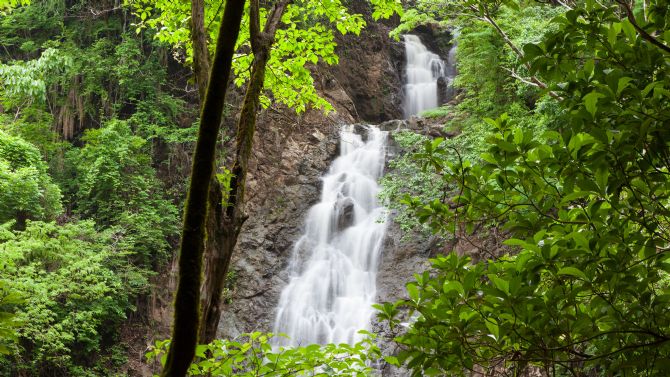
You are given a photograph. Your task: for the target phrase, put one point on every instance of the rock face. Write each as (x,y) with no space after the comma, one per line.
(401,259)
(345,213)
(436,38)
(291,154)
(370,72)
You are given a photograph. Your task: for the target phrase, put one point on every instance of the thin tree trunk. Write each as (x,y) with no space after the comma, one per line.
(217,242)
(231,218)
(187,298)
(200,50)
(214,261)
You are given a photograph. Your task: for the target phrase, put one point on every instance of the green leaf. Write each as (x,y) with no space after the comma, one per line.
(392,360)
(624,82)
(493,328)
(612,32)
(572,271)
(602,176)
(628,29)
(590,101)
(531,51)
(413,292)
(453,286)
(499,283)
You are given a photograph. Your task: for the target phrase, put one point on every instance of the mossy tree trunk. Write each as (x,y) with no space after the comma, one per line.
(187,298)
(200,50)
(229,219)
(216,239)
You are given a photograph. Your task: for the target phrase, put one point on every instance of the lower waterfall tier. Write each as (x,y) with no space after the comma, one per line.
(333,269)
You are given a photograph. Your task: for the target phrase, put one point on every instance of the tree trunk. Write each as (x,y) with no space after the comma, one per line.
(218,253)
(215,263)
(200,50)
(187,298)
(229,221)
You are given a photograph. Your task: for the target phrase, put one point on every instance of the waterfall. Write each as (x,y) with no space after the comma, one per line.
(450,70)
(423,69)
(333,268)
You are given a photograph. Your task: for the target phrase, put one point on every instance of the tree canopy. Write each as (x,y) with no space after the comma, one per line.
(581,286)
(305,39)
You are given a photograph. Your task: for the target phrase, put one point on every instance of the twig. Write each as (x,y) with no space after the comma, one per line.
(648,37)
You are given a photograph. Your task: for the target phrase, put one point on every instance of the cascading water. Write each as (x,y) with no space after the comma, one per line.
(334,265)
(450,69)
(423,70)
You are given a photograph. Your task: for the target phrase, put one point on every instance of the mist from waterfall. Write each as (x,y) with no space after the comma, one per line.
(423,69)
(333,269)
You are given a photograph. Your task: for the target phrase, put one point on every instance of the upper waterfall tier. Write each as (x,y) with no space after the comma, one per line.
(423,69)
(334,265)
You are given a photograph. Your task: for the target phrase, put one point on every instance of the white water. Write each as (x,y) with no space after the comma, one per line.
(423,69)
(333,270)
(450,69)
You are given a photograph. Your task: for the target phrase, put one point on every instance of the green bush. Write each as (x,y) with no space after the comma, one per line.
(76,286)
(253,355)
(26,190)
(114,183)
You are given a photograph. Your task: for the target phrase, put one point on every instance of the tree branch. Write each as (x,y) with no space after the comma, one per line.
(646,36)
(533,79)
(255,26)
(200,50)
(272,23)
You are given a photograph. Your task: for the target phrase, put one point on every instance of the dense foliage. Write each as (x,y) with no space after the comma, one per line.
(75,286)
(583,287)
(113,182)
(69,72)
(26,190)
(253,355)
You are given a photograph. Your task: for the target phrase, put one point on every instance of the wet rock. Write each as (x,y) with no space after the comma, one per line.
(393,125)
(435,37)
(440,131)
(370,71)
(403,256)
(442,91)
(344,210)
(318,136)
(361,129)
(416,123)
